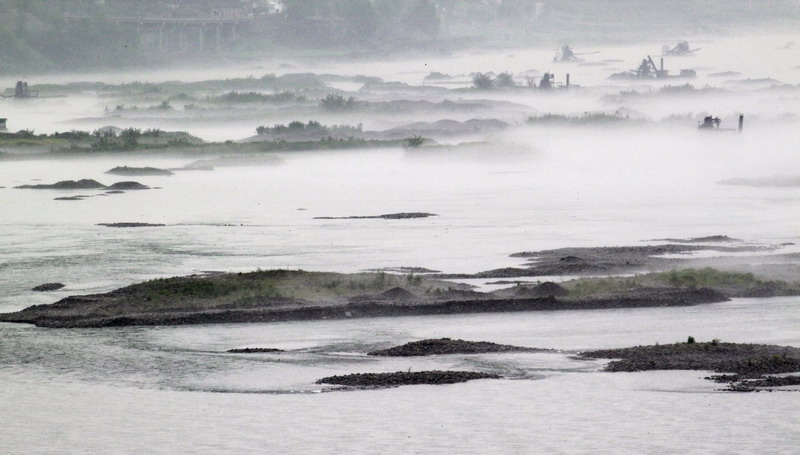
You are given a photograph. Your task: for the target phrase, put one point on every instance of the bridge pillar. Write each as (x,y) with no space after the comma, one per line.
(181,37)
(201,41)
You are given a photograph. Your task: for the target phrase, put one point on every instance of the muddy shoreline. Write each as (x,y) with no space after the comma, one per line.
(665,298)
(296,295)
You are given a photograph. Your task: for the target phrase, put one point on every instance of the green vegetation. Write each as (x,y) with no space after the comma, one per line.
(690,340)
(482,81)
(133,139)
(709,277)
(257,97)
(176,90)
(322,144)
(730,283)
(505,80)
(267,287)
(587,118)
(311,126)
(335,102)
(436,76)
(414,142)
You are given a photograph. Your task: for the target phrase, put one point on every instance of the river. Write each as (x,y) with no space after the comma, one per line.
(174,390)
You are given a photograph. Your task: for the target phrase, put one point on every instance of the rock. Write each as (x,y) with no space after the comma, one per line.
(125,170)
(128,186)
(46,287)
(543,290)
(397,294)
(69,198)
(253,350)
(405,378)
(129,225)
(83,184)
(390,216)
(447,346)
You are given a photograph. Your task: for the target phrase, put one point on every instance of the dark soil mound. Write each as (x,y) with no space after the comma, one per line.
(397,294)
(128,186)
(461,294)
(253,350)
(125,170)
(403,216)
(48,287)
(84,184)
(447,346)
(747,361)
(405,378)
(739,383)
(713,356)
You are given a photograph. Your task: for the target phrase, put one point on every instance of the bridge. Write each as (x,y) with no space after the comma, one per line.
(182,35)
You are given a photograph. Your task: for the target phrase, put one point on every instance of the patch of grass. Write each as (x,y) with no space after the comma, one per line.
(730,283)
(708,277)
(263,287)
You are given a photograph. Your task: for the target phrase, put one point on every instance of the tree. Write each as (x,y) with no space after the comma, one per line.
(505,79)
(482,81)
(414,141)
(335,102)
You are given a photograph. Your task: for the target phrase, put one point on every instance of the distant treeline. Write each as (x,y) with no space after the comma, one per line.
(53,35)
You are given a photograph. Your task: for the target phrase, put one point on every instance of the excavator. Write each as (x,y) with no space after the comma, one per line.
(680,49)
(568,55)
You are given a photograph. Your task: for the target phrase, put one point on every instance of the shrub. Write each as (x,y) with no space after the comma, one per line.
(482,81)
(414,141)
(505,79)
(690,340)
(130,137)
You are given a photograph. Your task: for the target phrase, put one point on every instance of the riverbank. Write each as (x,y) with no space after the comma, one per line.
(296,295)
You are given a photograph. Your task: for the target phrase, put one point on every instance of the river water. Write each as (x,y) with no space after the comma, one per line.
(173,390)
